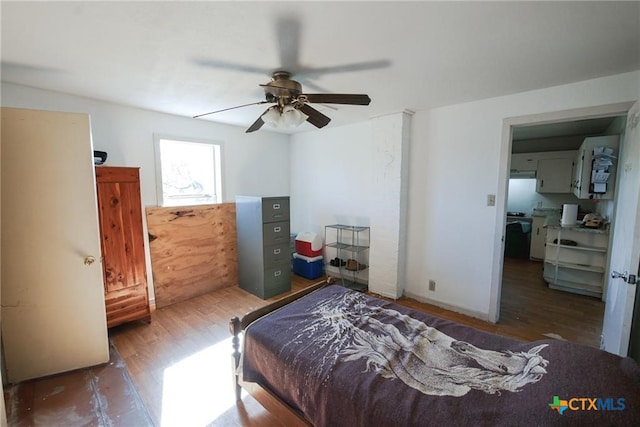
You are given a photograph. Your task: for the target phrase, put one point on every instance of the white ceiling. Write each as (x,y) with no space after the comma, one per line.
(188,58)
(558,136)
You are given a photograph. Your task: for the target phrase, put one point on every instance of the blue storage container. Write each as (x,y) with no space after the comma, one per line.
(310,268)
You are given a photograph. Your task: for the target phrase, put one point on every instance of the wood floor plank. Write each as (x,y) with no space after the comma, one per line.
(101,395)
(529,310)
(180,362)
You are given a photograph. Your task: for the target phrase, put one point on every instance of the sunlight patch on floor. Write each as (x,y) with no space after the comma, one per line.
(198,389)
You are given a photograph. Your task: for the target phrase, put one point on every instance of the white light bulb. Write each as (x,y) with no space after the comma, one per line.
(272,117)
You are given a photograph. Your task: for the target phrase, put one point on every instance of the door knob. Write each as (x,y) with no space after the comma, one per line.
(89,260)
(617,275)
(629,278)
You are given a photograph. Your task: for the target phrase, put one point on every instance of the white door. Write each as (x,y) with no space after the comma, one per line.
(625,247)
(53,313)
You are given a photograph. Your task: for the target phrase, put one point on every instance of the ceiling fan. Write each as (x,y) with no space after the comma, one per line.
(291,106)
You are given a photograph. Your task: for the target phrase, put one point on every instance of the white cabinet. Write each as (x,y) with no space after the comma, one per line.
(575,259)
(582,184)
(554,175)
(521,162)
(538,237)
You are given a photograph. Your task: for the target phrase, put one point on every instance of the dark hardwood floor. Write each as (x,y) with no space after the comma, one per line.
(102,395)
(529,309)
(180,363)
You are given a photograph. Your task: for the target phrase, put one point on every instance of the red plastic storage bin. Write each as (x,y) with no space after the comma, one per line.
(308,244)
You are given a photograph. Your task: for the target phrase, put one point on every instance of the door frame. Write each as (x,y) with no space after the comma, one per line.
(617,109)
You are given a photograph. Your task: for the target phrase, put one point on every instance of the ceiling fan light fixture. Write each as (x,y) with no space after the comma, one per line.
(292,117)
(287,118)
(272,117)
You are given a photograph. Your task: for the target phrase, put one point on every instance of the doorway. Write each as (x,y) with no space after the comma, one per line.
(524,299)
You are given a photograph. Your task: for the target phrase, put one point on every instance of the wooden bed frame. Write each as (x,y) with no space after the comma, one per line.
(437,400)
(271,402)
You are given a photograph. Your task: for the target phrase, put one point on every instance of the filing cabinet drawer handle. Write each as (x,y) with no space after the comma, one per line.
(276,251)
(277,273)
(276,206)
(277,229)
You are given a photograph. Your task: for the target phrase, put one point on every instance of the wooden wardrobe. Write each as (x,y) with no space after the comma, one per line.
(122,241)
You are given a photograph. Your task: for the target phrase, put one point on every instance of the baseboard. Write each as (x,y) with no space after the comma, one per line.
(385,295)
(450,307)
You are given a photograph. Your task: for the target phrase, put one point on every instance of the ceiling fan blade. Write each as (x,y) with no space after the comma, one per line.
(230,108)
(336,98)
(345,68)
(288,34)
(232,66)
(257,124)
(309,84)
(315,117)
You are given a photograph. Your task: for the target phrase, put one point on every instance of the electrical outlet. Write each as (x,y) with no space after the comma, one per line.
(491,199)
(432,285)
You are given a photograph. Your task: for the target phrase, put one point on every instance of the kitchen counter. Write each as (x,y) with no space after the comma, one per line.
(514,218)
(543,212)
(578,228)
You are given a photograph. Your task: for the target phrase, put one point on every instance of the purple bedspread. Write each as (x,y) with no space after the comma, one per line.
(346,359)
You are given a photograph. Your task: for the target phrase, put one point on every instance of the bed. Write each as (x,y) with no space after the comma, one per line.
(330,356)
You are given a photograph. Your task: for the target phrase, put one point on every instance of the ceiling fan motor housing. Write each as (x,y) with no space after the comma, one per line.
(282,86)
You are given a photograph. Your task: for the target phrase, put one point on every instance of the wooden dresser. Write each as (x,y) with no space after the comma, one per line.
(122,241)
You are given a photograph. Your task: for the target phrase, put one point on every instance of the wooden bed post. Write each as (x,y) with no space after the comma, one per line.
(237,325)
(235,329)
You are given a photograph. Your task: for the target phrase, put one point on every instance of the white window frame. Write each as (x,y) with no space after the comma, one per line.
(218,153)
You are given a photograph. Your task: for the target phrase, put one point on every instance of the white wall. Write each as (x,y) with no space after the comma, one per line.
(524,198)
(390,147)
(331,177)
(356,175)
(458,157)
(253,164)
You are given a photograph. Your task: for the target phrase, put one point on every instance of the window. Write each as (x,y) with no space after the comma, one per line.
(188,171)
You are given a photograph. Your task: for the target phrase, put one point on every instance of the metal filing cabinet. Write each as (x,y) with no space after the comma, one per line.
(264,259)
